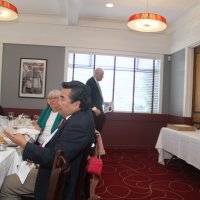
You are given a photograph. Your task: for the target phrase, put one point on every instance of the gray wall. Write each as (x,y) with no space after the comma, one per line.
(176,78)
(172,86)
(11,69)
(166,85)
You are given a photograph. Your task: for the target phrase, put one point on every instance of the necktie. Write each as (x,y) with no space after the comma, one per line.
(62,123)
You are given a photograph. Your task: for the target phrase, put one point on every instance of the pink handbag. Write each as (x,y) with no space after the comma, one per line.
(94,166)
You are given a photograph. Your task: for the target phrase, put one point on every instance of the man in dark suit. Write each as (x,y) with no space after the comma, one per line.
(73,138)
(97,98)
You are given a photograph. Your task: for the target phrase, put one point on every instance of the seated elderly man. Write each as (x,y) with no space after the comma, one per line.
(50,118)
(74,137)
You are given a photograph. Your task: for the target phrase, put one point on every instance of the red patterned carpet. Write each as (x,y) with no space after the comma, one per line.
(136,174)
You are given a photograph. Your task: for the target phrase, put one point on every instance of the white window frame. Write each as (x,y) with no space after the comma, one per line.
(120,53)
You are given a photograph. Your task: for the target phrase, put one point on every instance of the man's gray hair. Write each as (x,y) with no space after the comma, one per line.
(98,71)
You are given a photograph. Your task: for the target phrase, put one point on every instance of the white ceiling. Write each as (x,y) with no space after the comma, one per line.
(74,10)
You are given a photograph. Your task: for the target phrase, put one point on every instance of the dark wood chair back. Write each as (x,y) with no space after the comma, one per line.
(59,173)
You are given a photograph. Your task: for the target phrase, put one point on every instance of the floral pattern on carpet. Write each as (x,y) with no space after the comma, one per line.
(137,175)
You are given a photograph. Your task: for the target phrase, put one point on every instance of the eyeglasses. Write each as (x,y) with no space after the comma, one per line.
(52,98)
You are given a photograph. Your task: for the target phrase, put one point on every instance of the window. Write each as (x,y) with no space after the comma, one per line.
(131,83)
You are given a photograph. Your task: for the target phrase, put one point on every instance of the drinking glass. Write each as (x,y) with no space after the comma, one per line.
(10,115)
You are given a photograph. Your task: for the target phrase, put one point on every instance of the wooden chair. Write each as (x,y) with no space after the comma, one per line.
(60,171)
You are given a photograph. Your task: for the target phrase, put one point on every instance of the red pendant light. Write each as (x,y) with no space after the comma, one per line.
(147,22)
(8,11)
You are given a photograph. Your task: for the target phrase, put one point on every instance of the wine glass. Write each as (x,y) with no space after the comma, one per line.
(10,115)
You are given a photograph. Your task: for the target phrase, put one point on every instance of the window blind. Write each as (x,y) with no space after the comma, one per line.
(131,83)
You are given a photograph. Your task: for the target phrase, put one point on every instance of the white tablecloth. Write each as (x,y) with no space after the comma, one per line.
(9,161)
(183,144)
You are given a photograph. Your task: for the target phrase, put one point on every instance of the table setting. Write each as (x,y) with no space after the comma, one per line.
(10,153)
(21,124)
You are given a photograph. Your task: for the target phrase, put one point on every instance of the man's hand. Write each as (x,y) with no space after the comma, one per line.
(36,126)
(96,111)
(18,139)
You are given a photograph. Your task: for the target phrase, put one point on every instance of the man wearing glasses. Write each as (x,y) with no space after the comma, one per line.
(77,134)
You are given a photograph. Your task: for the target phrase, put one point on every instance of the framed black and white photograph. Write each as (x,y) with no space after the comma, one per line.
(32,80)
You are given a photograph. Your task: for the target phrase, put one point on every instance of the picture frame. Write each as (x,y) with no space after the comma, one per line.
(32,79)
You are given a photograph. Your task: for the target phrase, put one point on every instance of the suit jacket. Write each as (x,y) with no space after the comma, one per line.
(73,138)
(96,97)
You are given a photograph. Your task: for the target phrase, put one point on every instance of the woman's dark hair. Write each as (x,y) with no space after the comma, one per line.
(79,92)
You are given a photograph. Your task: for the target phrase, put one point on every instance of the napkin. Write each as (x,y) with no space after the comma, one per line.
(33,133)
(24,170)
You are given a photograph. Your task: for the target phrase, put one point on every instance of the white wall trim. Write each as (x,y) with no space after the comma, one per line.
(161,85)
(66,61)
(115,52)
(84,37)
(188,82)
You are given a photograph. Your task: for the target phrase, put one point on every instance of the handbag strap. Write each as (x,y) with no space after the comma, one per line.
(97,151)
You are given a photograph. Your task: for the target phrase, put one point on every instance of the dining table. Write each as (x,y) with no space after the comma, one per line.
(10,159)
(181,144)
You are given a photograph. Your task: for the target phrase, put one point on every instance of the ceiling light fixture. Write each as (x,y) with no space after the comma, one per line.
(109,5)
(8,11)
(147,22)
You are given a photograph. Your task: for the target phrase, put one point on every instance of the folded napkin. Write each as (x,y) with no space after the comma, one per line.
(30,133)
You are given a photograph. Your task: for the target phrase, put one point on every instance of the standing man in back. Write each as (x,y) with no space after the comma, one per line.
(99,118)
(97,98)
